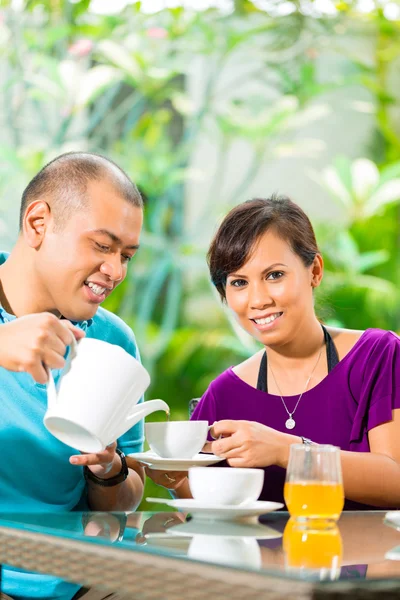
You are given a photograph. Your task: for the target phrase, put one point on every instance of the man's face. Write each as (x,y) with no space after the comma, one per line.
(79,266)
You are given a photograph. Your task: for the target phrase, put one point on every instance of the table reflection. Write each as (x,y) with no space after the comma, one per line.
(313,550)
(360,546)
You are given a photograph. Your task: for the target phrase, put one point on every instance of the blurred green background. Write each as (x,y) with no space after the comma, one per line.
(206,104)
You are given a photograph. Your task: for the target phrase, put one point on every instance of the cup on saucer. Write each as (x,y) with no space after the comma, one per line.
(177,439)
(225,485)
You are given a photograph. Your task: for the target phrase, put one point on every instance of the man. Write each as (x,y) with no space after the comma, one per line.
(80,223)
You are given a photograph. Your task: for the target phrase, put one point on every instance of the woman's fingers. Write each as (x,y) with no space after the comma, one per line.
(224,428)
(224,445)
(238,462)
(207,447)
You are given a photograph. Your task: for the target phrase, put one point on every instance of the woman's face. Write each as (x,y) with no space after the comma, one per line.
(271,294)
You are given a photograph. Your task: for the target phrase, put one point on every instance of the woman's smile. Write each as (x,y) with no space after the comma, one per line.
(266,321)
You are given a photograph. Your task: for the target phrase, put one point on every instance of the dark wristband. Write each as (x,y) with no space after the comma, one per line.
(116,480)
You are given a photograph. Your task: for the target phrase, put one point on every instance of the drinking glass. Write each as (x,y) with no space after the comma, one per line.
(314,485)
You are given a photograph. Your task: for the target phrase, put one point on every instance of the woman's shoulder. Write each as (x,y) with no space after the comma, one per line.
(223,390)
(247,370)
(360,342)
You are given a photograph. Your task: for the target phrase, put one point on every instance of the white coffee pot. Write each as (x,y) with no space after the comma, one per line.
(95,400)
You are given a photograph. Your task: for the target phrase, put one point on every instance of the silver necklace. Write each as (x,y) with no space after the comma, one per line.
(290,422)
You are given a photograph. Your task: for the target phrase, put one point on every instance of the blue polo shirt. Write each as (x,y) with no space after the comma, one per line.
(35,473)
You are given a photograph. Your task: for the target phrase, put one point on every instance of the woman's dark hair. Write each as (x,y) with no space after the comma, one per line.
(246,223)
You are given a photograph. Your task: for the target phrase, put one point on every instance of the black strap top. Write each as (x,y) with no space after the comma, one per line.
(331,355)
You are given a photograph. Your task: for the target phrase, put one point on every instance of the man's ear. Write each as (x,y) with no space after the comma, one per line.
(36,221)
(317,271)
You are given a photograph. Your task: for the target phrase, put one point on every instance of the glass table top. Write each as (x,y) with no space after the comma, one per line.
(362,546)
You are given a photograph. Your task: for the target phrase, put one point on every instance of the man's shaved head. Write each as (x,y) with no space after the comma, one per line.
(63,184)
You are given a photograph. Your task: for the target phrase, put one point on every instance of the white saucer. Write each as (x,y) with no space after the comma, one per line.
(154,461)
(224,529)
(213,512)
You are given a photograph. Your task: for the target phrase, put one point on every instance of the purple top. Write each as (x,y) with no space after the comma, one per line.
(356,396)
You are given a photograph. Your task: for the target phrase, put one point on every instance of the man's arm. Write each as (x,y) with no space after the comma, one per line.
(106,465)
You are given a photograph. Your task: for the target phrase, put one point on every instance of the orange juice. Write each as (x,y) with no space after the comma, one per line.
(311,548)
(309,499)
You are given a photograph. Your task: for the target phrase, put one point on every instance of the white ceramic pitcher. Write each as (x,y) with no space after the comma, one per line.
(95,400)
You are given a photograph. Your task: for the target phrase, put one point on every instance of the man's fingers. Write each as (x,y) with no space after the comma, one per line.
(39,373)
(86,460)
(53,360)
(56,344)
(102,459)
(223,428)
(65,330)
(78,333)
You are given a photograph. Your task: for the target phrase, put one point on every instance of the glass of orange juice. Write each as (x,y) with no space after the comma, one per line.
(312,552)
(314,485)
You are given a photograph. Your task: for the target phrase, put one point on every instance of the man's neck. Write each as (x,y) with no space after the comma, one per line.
(20,291)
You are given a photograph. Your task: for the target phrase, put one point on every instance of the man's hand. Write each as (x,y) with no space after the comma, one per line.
(105,464)
(34,342)
(103,525)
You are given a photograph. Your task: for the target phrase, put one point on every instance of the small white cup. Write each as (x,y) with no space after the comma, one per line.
(95,400)
(225,485)
(176,439)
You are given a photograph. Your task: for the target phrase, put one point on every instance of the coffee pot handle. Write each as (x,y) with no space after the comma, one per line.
(51,386)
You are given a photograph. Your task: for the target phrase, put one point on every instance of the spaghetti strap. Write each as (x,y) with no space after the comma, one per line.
(262,374)
(332,358)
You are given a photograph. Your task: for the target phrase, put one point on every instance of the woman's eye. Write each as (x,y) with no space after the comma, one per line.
(238,282)
(275,275)
(126,259)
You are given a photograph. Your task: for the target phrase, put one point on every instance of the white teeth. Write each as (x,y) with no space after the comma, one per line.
(267,320)
(96,288)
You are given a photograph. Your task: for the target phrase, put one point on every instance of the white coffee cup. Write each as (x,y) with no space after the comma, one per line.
(225,485)
(95,400)
(176,439)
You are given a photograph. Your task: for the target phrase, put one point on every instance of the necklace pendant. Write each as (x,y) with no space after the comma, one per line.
(290,423)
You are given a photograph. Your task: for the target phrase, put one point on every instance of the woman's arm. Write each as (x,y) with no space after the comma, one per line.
(369,477)
(374,477)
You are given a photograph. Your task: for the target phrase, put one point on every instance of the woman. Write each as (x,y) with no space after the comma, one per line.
(309,383)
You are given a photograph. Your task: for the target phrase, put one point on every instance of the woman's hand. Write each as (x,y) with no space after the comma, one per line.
(250,444)
(171,480)
(159,523)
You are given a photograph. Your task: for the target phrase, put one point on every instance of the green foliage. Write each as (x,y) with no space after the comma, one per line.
(120,84)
